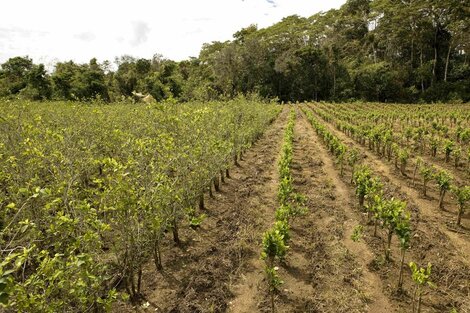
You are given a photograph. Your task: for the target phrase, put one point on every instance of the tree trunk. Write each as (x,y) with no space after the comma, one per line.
(139,279)
(201,202)
(222,179)
(403,167)
(210,190)
(460,213)
(424,186)
(174,229)
(361,201)
(422,78)
(334,81)
(132,283)
(434,66)
(419,303)
(389,243)
(157,257)
(447,61)
(227,173)
(400,275)
(216,183)
(414,173)
(441,198)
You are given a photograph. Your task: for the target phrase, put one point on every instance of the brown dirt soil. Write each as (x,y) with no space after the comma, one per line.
(199,275)
(322,255)
(432,241)
(324,271)
(248,289)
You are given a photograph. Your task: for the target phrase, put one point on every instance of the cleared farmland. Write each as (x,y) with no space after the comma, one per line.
(235,206)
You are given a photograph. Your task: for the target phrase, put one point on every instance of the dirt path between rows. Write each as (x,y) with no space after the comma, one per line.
(350,287)
(248,289)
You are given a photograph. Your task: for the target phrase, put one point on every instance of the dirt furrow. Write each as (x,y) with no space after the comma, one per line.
(346,284)
(248,289)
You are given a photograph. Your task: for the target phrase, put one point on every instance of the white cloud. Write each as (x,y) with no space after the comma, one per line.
(85,36)
(80,30)
(141,31)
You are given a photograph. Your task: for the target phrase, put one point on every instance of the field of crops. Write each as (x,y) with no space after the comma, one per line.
(234,206)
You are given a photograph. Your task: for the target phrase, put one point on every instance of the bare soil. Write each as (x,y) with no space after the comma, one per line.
(434,240)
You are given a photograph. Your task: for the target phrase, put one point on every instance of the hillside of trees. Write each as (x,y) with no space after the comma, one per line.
(381,50)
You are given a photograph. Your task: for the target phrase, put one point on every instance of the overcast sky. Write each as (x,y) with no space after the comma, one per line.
(60,30)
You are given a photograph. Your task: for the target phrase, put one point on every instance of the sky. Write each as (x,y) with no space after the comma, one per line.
(49,31)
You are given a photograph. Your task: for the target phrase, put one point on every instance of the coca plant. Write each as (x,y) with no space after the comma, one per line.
(403,232)
(418,163)
(449,146)
(353,159)
(443,181)
(426,173)
(462,195)
(403,156)
(363,181)
(422,278)
(273,248)
(391,214)
(274,281)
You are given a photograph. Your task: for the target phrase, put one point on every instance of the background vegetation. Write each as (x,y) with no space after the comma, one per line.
(380,50)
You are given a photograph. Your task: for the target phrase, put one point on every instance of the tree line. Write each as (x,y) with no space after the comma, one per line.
(380,50)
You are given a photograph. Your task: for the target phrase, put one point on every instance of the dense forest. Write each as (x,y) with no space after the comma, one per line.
(380,50)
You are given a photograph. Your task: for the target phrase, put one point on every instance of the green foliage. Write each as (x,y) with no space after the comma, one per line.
(91,192)
(449,146)
(282,226)
(273,246)
(357,233)
(363,181)
(79,82)
(422,278)
(380,81)
(427,173)
(443,180)
(403,231)
(272,276)
(342,54)
(462,195)
(403,156)
(393,217)
(194,219)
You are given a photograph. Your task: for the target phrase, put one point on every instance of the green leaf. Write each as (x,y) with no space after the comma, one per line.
(4,298)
